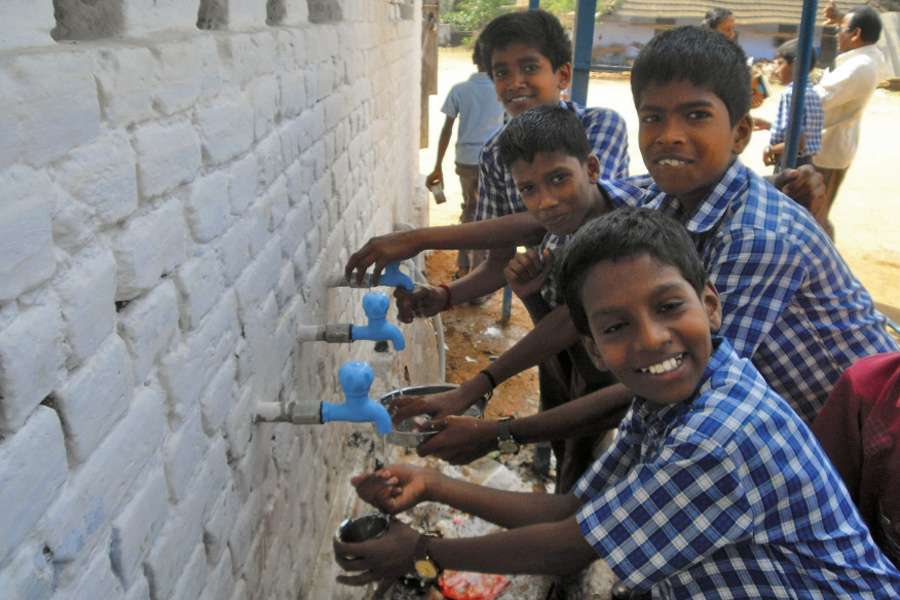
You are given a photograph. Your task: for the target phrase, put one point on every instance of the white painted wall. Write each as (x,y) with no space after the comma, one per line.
(171,200)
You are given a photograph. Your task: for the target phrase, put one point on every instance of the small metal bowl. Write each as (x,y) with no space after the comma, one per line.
(404,433)
(367,527)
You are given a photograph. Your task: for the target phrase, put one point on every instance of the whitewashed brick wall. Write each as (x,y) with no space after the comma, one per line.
(171,199)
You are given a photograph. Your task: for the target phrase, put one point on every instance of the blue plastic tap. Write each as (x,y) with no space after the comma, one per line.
(356,379)
(376,304)
(393,276)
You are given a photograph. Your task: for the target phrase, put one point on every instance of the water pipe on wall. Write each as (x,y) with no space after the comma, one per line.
(355,379)
(392,276)
(375,305)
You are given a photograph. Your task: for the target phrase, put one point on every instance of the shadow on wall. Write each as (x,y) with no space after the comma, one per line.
(324,11)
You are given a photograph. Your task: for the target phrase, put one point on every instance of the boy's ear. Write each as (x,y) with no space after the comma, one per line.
(593,168)
(564,75)
(591,346)
(713,306)
(741,132)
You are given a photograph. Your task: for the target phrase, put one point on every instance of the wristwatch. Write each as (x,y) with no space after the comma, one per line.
(426,568)
(506,441)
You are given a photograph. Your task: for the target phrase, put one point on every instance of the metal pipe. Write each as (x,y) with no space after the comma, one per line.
(801,73)
(584,43)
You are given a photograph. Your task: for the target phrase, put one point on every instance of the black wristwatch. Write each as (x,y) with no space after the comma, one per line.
(426,568)
(506,441)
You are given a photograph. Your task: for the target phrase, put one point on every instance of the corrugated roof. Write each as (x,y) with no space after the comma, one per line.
(746,12)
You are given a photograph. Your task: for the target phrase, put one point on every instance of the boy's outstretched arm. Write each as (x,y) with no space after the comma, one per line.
(437,175)
(400,487)
(556,548)
(552,334)
(510,230)
(463,439)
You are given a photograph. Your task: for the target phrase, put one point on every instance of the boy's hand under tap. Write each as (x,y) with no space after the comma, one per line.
(395,488)
(440,406)
(381,251)
(424,301)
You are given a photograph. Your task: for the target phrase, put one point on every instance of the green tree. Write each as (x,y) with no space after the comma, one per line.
(471,15)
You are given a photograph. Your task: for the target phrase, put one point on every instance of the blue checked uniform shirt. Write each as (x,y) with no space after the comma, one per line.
(789,302)
(728,495)
(813,120)
(607,137)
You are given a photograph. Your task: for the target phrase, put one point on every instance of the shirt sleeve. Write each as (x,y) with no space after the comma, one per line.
(610,144)
(776,135)
(451,103)
(492,195)
(757,274)
(668,513)
(613,464)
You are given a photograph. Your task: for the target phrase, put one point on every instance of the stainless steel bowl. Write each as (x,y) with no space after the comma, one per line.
(404,433)
(360,529)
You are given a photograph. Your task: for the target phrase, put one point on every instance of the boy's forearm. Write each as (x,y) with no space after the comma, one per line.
(486,278)
(553,548)
(554,333)
(443,142)
(597,411)
(501,507)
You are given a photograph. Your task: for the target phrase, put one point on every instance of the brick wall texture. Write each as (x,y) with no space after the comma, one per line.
(172,198)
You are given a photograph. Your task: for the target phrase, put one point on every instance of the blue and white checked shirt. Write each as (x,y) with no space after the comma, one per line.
(607,137)
(789,302)
(728,495)
(813,119)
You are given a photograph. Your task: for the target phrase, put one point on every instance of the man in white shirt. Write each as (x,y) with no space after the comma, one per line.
(845,90)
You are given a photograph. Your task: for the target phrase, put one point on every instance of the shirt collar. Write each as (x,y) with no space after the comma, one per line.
(480,77)
(868,49)
(651,416)
(711,210)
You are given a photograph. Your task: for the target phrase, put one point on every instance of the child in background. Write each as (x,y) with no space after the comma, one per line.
(475,103)
(813,117)
(714,488)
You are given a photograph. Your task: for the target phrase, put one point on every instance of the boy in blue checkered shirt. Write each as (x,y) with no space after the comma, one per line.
(813,116)
(713,488)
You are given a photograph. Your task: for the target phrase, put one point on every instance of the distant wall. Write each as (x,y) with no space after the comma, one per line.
(177,178)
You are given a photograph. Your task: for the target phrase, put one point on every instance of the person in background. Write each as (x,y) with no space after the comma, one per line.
(845,91)
(859,429)
(811,131)
(721,20)
(474,101)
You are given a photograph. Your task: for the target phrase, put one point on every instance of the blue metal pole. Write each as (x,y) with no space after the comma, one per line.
(584,43)
(801,73)
(534,4)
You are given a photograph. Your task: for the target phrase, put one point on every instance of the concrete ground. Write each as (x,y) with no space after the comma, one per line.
(866,214)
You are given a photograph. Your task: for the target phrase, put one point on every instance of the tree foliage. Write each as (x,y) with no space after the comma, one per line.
(471,15)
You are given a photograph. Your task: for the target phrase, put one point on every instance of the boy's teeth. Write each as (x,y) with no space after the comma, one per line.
(672,162)
(670,364)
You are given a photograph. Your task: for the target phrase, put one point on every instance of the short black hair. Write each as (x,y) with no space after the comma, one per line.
(867,20)
(715,16)
(536,29)
(543,129)
(625,233)
(701,56)
(788,51)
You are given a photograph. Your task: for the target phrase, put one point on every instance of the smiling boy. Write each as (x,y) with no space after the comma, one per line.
(530,63)
(713,488)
